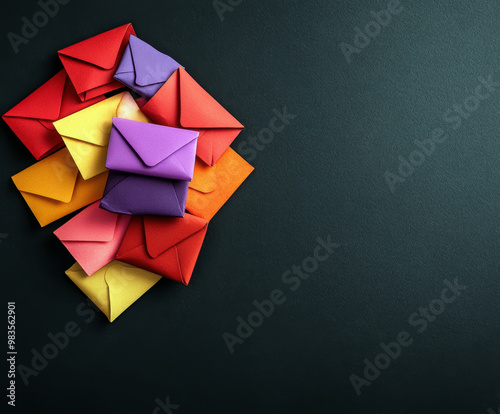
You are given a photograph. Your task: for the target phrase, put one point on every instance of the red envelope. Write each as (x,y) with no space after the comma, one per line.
(92,63)
(32,118)
(168,246)
(182,103)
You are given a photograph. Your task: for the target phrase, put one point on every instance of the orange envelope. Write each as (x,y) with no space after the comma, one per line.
(182,103)
(53,188)
(92,63)
(213,186)
(32,118)
(93,237)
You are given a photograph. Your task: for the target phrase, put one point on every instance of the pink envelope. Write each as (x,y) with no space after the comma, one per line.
(93,237)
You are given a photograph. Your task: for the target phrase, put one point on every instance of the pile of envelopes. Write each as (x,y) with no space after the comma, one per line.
(151,172)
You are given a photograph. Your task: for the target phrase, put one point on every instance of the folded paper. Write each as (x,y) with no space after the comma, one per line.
(213,186)
(92,63)
(168,246)
(143,68)
(114,287)
(93,237)
(182,103)
(32,119)
(53,188)
(151,150)
(140,195)
(86,133)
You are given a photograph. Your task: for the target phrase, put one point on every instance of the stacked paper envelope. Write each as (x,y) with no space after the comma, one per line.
(92,63)
(136,166)
(183,103)
(86,133)
(159,162)
(32,119)
(143,68)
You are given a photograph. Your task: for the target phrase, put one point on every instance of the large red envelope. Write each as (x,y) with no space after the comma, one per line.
(182,103)
(32,118)
(168,246)
(92,63)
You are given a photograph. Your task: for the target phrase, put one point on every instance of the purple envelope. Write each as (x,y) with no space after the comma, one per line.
(153,150)
(139,195)
(143,68)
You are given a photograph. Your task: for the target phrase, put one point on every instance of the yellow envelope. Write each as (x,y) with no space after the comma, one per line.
(114,287)
(86,132)
(53,188)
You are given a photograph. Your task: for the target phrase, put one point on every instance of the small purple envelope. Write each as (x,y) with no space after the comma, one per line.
(139,195)
(143,68)
(153,150)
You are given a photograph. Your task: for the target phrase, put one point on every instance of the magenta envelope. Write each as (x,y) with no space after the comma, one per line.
(143,68)
(93,237)
(140,195)
(152,150)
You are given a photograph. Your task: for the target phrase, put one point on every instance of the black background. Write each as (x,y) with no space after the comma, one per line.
(323,175)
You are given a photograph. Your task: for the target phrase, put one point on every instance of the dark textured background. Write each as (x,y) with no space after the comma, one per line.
(322,175)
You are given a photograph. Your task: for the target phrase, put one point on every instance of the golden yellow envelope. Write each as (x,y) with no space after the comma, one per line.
(53,188)
(86,132)
(114,287)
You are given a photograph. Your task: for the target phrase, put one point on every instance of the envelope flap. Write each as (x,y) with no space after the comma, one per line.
(153,143)
(92,225)
(126,284)
(101,50)
(94,287)
(43,103)
(151,66)
(204,177)
(163,233)
(199,109)
(92,124)
(54,177)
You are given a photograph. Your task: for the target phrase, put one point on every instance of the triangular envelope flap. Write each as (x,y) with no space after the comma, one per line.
(114,178)
(126,284)
(153,143)
(151,66)
(101,50)
(75,269)
(54,177)
(92,124)
(71,103)
(93,225)
(204,177)
(126,64)
(199,109)
(163,233)
(43,103)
